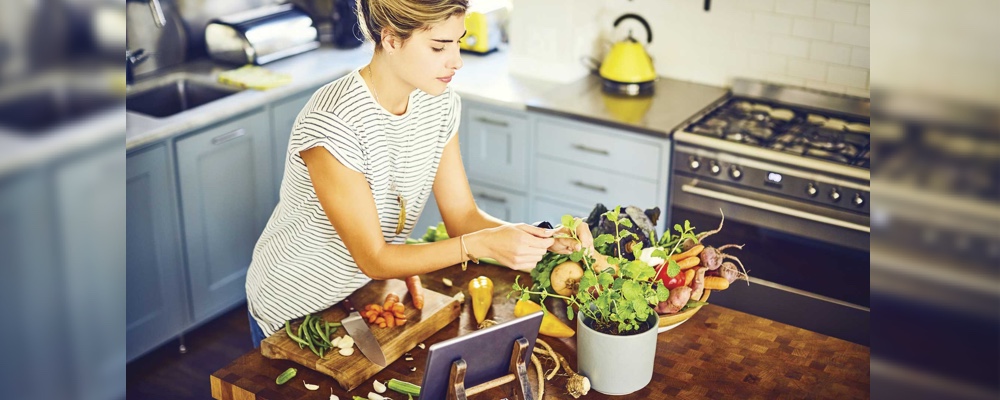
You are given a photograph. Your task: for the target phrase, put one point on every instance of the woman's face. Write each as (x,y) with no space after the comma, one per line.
(429,58)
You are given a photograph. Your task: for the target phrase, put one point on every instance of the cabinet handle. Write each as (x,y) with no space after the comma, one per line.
(489,197)
(589,149)
(225,137)
(596,188)
(492,121)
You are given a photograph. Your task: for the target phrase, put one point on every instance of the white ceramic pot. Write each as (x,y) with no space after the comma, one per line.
(616,365)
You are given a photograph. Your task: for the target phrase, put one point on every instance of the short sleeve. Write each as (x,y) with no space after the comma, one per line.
(324,129)
(454,114)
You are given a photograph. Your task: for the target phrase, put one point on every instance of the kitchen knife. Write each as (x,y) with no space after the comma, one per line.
(363,337)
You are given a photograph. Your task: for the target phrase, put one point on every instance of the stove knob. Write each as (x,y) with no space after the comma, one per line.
(834,195)
(858,200)
(694,163)
(735,172)
(811,190)
(714,167)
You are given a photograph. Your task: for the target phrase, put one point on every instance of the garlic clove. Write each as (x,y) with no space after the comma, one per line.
(379,386)
(346,342)
(346,352)
(310,386)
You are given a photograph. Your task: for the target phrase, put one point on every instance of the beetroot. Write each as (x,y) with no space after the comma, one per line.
(729,271)
(711,258)
(698,284)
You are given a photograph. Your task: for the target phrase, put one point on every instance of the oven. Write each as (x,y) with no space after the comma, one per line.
(794,189)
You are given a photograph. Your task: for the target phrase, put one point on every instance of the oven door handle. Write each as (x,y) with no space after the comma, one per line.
(791,212)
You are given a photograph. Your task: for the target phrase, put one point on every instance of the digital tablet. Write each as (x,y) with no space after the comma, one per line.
(486,353)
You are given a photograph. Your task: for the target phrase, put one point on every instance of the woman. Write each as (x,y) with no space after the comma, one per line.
(363,157)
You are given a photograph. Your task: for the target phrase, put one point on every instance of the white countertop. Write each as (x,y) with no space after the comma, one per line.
(482,78)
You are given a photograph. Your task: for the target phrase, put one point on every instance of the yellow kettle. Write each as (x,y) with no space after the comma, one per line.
(628,68)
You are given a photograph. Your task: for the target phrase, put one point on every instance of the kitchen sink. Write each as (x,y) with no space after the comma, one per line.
(47,102)
(173,94)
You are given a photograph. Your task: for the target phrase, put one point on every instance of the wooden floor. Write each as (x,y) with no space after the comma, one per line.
(164,373)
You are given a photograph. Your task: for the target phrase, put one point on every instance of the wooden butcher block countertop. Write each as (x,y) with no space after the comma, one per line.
(718,353)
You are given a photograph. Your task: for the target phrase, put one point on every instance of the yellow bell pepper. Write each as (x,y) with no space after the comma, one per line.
(551,325)
(481,290)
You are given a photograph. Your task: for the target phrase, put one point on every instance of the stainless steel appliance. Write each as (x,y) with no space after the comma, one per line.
(935,249)
(789,168)
(261,35)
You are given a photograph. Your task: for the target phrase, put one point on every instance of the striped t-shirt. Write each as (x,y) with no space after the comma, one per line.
(300,264)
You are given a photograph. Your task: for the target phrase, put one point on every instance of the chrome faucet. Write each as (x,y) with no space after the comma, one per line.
(134,58)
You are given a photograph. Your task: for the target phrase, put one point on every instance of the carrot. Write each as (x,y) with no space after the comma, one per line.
(694,251)
(390,299)
(689,276)
(390,321)
(416,291)
(688,262)
(716,283)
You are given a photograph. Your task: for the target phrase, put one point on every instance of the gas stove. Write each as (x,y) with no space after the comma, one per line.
(793,130)
(790,168)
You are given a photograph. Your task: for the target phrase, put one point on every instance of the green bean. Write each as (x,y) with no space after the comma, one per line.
(288,330)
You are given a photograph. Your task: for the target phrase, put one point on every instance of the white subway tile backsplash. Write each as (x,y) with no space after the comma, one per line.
(790,46)
(752,40)
(863,15)
(822,44)
(807,69)
(848,76)
(851,34)
(812,29)
(767,62)
(757,5)
(767,22)
(859,57)
(835,11)
(802,8)
(829,52)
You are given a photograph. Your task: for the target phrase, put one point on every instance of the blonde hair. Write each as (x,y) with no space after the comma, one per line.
(403,17)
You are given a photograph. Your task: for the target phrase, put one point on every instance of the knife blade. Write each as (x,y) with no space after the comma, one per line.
(356,326)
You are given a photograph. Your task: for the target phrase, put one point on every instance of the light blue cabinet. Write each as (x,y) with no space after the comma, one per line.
(506,205)
(283,116)
(497,146)
(90,207)
(29,265)
(157,296)
(227,194)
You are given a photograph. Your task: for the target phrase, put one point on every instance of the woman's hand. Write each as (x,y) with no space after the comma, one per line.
(565,244)
(518,246)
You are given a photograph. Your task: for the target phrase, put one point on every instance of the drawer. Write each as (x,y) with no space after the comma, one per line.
(497,147)
(508,206)
(599,147)
(549,210)
(575,184)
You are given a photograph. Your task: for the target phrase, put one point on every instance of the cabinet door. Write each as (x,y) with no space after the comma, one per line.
(90,194)
(282,119)
(226,185)
(37,345)
(155,307)
(497,147)
(550,210)
(508,206)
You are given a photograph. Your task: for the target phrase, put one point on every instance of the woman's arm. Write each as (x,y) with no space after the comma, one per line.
(454,196)
(459,210)
(349,205)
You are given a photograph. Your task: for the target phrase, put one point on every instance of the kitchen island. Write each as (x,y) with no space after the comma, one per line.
(718,353)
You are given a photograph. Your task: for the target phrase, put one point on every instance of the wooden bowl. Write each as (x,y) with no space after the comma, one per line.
(671,321)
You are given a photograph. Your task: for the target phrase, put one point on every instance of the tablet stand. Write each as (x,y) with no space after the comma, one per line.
(518,372)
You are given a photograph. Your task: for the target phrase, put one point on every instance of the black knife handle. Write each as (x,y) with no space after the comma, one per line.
(348,306)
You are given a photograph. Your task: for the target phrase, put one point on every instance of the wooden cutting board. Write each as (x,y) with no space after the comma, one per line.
(350,371)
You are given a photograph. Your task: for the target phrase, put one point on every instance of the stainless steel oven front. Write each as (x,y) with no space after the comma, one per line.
(805,230)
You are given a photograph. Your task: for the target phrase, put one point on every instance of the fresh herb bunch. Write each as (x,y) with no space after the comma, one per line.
(617,302)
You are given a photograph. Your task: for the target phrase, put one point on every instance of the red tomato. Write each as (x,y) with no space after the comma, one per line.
(671,283)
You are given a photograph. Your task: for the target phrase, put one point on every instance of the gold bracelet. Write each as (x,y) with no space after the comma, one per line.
(465,263)
(467,254)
